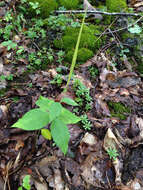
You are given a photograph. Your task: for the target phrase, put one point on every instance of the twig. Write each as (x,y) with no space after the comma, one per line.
(96,12)
(120,29)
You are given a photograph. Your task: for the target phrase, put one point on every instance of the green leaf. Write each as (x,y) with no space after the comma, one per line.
(20,188)
(26,182)
(54,110)
(136,29)
(44,103)
(46,134)
(68,118)
(33,120)
(60,134)
(69,101)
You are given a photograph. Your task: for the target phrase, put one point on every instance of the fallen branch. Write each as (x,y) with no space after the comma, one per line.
(95,12)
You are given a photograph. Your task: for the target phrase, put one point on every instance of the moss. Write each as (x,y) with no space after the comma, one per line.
(88,39)
(46,6)
(69,4)
(126,35)
(83,55)
(140,68)
(118,109)
(116,5)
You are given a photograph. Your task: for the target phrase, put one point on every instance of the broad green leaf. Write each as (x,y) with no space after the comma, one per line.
(44,103)
(60,134)
(46,134)
(54,110)
(69,101)
(20,188)
(26,182)
(68,118)
(33,120)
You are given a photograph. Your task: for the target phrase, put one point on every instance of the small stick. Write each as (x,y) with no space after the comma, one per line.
(96,12)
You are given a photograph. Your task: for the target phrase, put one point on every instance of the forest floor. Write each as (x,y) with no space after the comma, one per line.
(105,149)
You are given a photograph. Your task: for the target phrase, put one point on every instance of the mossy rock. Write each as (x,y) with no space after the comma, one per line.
(116,5)
(69,39)
(45,6)
(83,55)
(69,4)
(118,109)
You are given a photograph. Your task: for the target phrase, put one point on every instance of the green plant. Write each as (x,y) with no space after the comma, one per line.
(35,6)
(83,55)
(50,55)
(45,7)
(26,183)
(53,113)
(83,97)
(118,109)
(7,77)
(60,22)
(123,52)
(57,80)
(93,71)
(9,44)
(112,152)
(86,124)
(60,55)
(8,16)
(136,29)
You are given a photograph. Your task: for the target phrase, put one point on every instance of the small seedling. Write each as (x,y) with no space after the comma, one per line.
(93,71)
(26,183)
(8,77)
(83,97)
(112,152)
(53,113)
(86,124)
(60,55)
(57,80)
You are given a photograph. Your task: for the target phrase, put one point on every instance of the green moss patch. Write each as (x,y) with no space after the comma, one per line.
(69,4)
(69,39)
(140,68)
(83,55)
(116,5)
(118,109)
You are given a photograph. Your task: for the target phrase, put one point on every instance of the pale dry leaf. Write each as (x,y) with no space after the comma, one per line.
(110,141)
(59,183)
(89,7)
(118,165)
(138,4)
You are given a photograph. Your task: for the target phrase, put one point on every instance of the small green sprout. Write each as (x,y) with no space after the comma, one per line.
(86,124)
(26,183)
(57,80)
(82,93)
(112,152)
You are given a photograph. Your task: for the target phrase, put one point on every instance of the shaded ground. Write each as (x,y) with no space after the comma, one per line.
(115,118)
